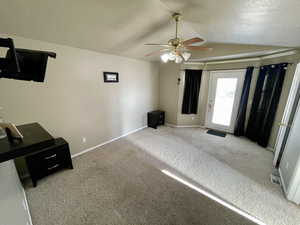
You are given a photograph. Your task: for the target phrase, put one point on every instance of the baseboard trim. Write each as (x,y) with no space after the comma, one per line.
(184,126)
(282,182)
(107,142)
(25,176)
(27,207)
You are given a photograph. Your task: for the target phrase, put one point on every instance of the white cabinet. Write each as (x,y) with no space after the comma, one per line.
(290,164)
(13,204)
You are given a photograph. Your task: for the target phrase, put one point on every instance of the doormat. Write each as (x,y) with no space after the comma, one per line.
(275,177)
(216,133)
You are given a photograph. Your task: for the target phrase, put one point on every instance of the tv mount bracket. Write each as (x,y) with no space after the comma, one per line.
(10,65)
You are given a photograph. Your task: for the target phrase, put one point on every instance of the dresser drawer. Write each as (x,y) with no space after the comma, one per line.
(49,160)
(53,155)
(50,168)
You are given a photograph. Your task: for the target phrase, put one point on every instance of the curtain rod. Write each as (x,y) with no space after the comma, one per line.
(221,59)
(223,69)
(241,68)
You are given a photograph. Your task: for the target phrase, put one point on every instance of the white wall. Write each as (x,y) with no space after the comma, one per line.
(171,95)
(168,89)
(13,205)
(172,71)
(75,103)
(290,162)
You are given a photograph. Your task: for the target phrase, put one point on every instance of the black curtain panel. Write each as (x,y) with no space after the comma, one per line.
(239,129)
(191,91)
(265,102)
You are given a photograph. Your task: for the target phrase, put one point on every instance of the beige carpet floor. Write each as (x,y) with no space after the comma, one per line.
(234,168)
(122,183)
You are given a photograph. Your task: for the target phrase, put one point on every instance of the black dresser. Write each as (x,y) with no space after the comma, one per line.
(49,161)
(43,153)
(156,118)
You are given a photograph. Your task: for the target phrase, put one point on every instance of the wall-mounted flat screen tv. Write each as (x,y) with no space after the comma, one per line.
(32,65)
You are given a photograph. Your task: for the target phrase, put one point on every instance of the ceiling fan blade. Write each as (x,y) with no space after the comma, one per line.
(192,41)
(157,51)
(162,45)
(198,48)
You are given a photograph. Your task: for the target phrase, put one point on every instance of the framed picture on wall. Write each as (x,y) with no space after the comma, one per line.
(111,77)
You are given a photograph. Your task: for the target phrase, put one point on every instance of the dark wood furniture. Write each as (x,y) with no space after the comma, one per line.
(11,64)
(49,161)
(36,138)
(156,118)
(44,154)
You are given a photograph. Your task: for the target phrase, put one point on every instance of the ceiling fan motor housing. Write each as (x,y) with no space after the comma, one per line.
(178,48)
(176,16)
(175,42)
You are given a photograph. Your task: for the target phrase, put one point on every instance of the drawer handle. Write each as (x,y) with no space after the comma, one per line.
(50,157)
(53,167)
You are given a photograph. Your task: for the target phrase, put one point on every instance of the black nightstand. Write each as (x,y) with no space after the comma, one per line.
(156,118)
(49,161)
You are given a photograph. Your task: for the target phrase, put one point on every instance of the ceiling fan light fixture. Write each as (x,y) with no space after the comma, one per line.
(165,57)
(186,56)
(178,48)
(178,59)
(172,56)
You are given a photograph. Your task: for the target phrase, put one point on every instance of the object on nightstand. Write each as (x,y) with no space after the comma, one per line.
(2,130)
(11,131)
(156,118)
(49,161)
(2,133)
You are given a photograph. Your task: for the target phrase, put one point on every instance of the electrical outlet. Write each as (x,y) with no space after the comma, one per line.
(84,140)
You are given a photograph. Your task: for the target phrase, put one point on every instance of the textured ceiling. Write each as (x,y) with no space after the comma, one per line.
(123,26)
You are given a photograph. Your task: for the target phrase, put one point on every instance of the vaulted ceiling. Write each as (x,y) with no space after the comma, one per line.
(122,27)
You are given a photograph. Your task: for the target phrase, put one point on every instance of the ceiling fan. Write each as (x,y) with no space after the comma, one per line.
(177,49)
